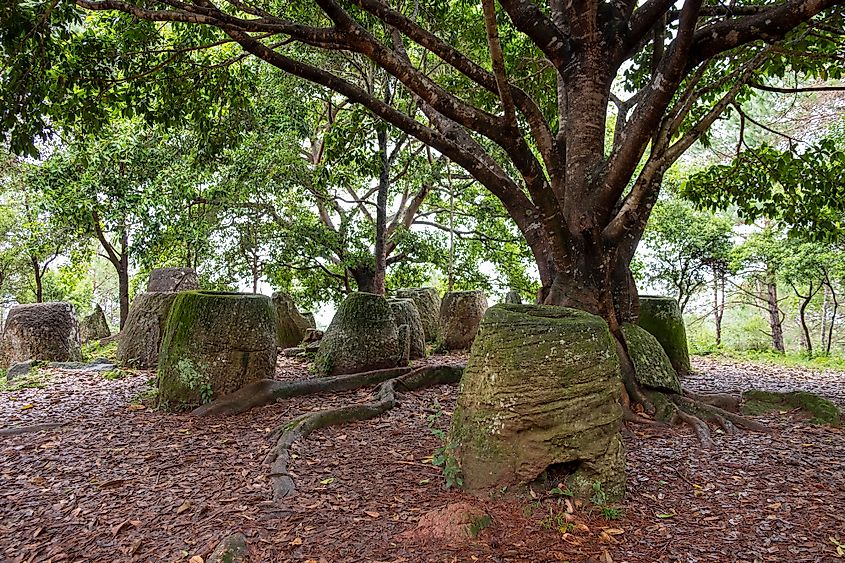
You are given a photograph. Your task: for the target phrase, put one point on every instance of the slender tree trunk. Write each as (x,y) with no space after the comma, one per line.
(823,335)
(381,214)
(39,280)
(802,319)
(775,322)
(123,286)
(450,278)
(832,320)
(718,304)
(122,267)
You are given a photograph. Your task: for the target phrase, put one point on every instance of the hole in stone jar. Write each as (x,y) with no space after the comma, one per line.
(554,478)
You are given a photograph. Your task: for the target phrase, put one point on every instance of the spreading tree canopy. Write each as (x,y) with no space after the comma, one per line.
(519,95)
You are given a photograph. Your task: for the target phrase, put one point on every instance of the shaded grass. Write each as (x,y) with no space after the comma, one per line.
(818,408)
(790,359)
(93,350)
(35,379)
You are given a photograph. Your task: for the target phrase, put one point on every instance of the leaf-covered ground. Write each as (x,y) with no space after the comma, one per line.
(123,483)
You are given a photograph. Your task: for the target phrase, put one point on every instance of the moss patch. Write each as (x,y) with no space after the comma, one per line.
(652,365)
(819,409)
(93,349)
(35,379)
(662,318)
(215,343)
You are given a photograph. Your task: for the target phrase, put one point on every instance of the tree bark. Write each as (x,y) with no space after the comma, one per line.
(823,334)
(775,322)
(802,319)
(832,318)
(718,304)
(365,278)
(381,213)
(599,282)
(123,288)
(39,282)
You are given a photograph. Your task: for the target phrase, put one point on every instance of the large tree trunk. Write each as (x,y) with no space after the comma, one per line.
(596,278)
(365,277)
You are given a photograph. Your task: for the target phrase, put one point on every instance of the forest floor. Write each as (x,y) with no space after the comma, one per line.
(121,482)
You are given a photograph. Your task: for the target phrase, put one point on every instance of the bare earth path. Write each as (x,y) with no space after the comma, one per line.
(123,483)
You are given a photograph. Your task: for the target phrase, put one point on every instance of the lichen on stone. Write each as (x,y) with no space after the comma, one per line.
(541,387)
(651,364)
(362,336)
(662,318)
(215,343)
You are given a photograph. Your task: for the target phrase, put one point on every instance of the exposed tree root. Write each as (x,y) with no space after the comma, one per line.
(268,391)
(385,399)
(701,429)
(715,414)
(673,407)
(30,429)
(630,416)
(668,407)
(724,401)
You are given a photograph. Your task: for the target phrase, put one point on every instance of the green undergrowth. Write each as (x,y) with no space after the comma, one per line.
(115,374)
(819,409)
(444,454)
(93,350)
(149,396)
(790,359)
(478,524)
(35,379)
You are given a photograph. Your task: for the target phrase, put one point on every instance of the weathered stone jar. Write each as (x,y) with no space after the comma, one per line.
(540,393)
(173,279)
(290,323)
(40,331)
(362,336)
(214,344)
(460,317)
(428,304)
(141,335)
(405,313)
(662,317)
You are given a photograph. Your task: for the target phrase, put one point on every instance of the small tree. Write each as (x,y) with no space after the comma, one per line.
(760,260)
(114,188)
(685,246)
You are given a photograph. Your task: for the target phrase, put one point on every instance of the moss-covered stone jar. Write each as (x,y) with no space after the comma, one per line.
(214,343)
(540,396)
(662,317)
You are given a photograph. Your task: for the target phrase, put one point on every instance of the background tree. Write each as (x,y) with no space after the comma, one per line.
(117,187)
(686,245)
(683,67)
(760,261)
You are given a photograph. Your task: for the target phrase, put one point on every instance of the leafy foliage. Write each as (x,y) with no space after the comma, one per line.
(805,191)
(685,246)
